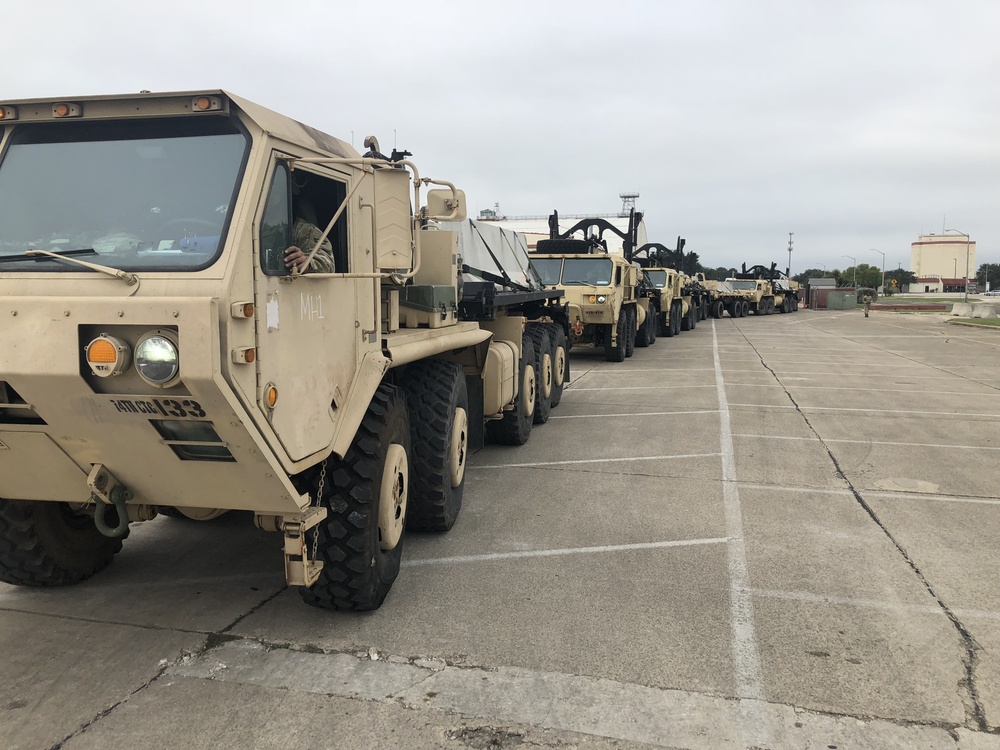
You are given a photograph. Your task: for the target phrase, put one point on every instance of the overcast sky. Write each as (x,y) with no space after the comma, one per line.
(853,124)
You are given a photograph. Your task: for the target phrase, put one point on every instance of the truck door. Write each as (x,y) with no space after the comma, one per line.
(308,329)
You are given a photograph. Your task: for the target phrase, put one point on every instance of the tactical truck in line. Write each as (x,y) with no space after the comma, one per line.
(158,352)
(608,299)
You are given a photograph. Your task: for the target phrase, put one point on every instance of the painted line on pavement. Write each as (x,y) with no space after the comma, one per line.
(749,678)
(870,411)
(592,461)
(603,549)
(871,442)
(620,371)
(889,495)
(830,374)
(871,390)
(850,601)
(633,414)
(798,490)
(875,494)
(643,388)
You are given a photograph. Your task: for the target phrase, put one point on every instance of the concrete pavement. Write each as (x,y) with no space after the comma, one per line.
(769,532)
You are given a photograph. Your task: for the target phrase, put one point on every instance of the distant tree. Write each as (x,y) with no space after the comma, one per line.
(811,273)
(718,274)
(988,272)
(686,262)
(863,275)
(901,277)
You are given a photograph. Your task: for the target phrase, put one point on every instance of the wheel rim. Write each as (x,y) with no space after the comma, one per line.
(528,391)
(392,498)
(459,446)
(559,366)
(546,375)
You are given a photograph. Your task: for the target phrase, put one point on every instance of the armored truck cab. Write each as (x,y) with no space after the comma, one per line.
(159,352)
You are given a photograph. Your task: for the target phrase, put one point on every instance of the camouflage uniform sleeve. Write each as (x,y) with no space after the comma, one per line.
(305,236)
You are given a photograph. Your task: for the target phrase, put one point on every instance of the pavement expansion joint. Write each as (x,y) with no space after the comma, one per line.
(502,695)
(975,712)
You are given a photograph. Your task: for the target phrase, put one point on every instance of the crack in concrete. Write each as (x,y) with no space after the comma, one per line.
(212,640)
(975,714)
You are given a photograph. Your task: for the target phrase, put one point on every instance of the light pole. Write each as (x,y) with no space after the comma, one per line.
(966,286)
(882,286)
(855,261)
(788,271)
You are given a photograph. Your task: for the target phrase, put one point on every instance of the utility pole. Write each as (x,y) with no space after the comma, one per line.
(788,271)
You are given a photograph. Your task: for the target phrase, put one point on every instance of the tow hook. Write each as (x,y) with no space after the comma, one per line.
(107,490)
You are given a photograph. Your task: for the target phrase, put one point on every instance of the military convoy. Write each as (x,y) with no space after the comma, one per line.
(168,348)
(158,351)
(609,302)
(759,289)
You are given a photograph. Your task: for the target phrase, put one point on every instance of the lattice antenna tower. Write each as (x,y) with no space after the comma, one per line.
(628,203)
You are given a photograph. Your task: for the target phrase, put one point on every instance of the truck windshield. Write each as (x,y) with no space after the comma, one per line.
(591,271)
(135,196)
(657,278)
(744,284)
(548,269)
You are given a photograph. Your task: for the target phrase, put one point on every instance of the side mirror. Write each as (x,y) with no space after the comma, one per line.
(444,205)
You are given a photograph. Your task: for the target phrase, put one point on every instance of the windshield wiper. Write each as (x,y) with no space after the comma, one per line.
(41,258)
(129,278)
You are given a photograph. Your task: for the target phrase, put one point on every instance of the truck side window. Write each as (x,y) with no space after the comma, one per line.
(276,225)
(315,200)
(618,276)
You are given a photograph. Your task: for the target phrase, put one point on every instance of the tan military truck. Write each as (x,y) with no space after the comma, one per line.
(498,281)
(723,297)
(607,298)
(682,300)
(158,351)
(768,290)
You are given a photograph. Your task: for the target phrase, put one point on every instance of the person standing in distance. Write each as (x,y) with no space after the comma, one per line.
(867,299)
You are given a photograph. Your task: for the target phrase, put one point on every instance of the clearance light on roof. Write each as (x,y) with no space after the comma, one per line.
(206,104)
(67,109)
(8,113)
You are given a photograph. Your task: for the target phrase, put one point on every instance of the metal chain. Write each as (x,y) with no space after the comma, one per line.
(316,502)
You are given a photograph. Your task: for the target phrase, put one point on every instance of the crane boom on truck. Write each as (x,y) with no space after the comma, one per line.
(609,301)
(158,352)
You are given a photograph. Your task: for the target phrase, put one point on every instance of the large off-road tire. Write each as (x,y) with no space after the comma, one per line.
(703,309)
(718,309)
(542,343)
(560,362)
(630,332)
(514,428)
(689,321)
(745,309)
(642,335)
(616,353)
(646,336)
(49,544)
(365,494)
(678,317)
(438,404)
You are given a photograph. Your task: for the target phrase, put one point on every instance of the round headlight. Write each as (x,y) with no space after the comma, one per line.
(156,360)
(602,298)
